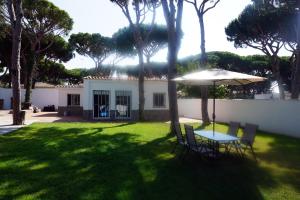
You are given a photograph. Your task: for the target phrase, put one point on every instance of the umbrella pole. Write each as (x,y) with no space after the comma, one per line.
(214,107)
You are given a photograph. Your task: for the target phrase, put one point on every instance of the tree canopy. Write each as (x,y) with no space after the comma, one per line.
(95,46)
(154,37)
(254,28)
(259,27)
(59,50)
(43,17)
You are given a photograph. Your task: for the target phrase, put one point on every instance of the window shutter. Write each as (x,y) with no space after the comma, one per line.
(69,99)
(78,100)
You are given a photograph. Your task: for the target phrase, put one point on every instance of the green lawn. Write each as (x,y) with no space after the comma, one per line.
(133,161)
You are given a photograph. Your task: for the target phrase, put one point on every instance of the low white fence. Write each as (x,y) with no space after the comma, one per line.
(276,116)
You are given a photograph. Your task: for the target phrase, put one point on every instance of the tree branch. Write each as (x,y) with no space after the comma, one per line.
(166,9)
(211,7)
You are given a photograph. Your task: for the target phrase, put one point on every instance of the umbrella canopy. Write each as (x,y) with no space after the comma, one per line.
(217,77)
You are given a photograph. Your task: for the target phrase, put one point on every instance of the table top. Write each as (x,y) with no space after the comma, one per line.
(218,137)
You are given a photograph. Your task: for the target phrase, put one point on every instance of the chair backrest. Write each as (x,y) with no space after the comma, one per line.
(190,136)
(178,133)
(249,134)
(233,128)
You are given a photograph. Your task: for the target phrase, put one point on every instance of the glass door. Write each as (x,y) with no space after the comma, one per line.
(101,104)
(123,104)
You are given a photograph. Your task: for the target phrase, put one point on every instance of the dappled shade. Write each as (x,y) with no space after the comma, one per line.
(133,161)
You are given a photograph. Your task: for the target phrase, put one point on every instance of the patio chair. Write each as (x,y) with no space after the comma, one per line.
(233,128)
(192,144)
(247,139)
(179,137)
(233,131)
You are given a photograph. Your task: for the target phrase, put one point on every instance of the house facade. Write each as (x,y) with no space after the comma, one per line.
(117,99)
(105,99)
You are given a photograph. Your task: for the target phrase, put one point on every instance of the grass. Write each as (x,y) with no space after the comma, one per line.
(133,161)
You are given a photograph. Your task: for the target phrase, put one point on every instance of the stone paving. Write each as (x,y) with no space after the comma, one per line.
(6,122)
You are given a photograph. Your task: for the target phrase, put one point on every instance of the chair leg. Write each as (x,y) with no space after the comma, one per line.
(238,150)
(227,148)
(253,153)
(244,151)
(230,146)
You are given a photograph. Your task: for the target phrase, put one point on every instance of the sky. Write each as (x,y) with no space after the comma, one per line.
(104,17)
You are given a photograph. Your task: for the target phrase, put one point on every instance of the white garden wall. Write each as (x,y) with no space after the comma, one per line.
(40,97)
(6,94)
(277,116)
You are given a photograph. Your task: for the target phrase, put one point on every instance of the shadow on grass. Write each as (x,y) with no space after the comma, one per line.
(283,153)
(81,163)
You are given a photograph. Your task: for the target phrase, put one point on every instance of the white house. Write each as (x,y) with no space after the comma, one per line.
(102,98)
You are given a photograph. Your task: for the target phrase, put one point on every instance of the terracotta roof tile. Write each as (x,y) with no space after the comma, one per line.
(70,86)
(123,78)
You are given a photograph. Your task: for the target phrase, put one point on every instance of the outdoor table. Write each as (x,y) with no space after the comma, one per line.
(216,138)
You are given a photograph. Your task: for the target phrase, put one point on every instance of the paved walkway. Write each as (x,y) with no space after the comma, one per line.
(187,120)
(6,122)
(48,117)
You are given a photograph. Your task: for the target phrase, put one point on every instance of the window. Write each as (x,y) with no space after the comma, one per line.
(159,100)
(101,104)
(123,104)
(73,100)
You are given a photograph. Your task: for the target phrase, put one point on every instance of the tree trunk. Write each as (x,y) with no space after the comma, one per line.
(276,72)
(203,62)
(296,68)
(203,58)
(141,85)
(280,86)
(295,85)
(204,105)
(28,88)
(174,39)
(149,70)
(31,66)
(16,17)
(172,59)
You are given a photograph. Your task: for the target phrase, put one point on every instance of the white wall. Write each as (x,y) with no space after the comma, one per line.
(130,85)
(62,97)
(40,97)
(6,94)
(152,87)
(276,116)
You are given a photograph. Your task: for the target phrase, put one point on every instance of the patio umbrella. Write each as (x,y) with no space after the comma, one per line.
(217,77)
